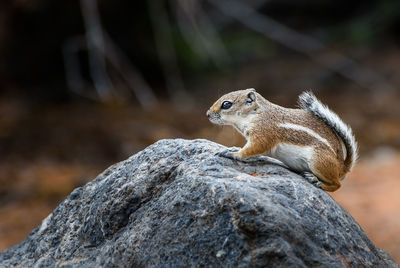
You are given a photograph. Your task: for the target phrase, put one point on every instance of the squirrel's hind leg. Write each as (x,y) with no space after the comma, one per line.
(326,169)
(317,182)
(311,178)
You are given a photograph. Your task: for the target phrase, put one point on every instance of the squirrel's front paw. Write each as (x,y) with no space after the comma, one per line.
(230,153)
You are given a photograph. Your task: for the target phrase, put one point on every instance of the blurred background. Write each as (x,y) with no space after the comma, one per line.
(85,84)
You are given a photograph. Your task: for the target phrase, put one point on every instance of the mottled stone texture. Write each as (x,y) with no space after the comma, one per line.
(177,204)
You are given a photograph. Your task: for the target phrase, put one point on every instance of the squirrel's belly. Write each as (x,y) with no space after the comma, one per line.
(294,156)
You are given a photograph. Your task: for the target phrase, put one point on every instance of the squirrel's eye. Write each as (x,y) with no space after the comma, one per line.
(226,105)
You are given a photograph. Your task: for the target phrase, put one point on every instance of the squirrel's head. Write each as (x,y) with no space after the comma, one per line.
(234,108)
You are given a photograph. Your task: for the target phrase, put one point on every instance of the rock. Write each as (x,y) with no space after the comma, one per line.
(176,204)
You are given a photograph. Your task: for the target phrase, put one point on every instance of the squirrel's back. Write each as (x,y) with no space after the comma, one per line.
(309,102)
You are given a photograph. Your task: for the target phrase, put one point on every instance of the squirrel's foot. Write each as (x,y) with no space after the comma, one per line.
(311,178)
(230,153)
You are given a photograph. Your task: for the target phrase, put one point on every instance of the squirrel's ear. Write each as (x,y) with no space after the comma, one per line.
(251,96)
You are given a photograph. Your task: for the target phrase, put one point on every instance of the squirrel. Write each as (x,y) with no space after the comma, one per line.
(312,140)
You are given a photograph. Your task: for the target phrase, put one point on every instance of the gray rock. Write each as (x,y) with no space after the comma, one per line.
(176,204)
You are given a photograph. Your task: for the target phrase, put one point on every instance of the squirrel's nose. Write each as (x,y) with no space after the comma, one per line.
(208,113)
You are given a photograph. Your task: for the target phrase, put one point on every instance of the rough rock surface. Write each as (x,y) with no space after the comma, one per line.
(176,204)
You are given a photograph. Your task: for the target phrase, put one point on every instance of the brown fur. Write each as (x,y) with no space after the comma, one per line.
(259,123)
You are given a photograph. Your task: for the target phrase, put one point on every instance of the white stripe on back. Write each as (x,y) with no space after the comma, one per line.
(308,131)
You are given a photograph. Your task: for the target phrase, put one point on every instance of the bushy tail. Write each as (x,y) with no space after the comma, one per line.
(309,102)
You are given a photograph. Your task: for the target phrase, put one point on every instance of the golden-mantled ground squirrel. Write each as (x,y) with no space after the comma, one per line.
(311,140)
